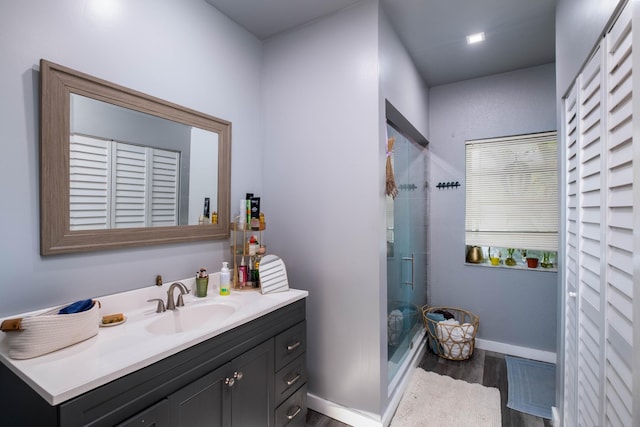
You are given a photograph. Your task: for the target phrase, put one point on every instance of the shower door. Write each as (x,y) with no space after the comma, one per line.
(406,250)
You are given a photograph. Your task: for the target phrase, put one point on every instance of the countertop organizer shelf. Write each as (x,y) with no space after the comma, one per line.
(240,250)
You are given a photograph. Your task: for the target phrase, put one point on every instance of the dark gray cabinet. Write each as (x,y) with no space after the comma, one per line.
(239,393)
(252,398)
(156,416)
(291,376)
(292,413)
(228,380)
(204,402)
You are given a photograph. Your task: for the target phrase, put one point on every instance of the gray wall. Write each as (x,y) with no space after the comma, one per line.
(324,166)
(516,307)
(401,83)
(96,118)
(579,26)
(323,214)
(184,52)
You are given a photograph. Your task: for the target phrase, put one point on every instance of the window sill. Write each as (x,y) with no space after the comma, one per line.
(513,267)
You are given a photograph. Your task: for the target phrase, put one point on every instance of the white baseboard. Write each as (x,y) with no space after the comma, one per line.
(397,389)
(555,417)
(341,413)
(515,350)
(358,418)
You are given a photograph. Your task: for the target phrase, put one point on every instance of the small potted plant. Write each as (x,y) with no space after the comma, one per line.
(495,260)
(510,261)
(546,261)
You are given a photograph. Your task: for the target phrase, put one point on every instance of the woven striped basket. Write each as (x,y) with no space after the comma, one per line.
(50,331)
(449,341)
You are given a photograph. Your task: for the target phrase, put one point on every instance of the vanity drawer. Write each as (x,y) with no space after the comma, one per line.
(289,378)
(156,416)
(293,412)
(290,344)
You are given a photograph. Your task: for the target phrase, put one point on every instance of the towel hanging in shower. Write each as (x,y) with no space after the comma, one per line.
(391,189)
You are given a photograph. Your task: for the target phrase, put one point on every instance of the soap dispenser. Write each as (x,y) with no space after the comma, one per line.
(224,279)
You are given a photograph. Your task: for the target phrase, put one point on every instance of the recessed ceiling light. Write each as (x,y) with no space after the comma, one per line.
(475,38)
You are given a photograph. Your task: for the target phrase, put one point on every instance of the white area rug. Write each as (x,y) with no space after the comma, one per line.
(437,400)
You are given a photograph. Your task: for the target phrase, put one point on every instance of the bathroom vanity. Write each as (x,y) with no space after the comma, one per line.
(245,370)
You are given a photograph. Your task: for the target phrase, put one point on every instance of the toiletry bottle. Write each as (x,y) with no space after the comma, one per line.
(256,272)
(242,273)
(253,245)
(242,218)
(254,213)
(205,213)
(224,279)
(248,198)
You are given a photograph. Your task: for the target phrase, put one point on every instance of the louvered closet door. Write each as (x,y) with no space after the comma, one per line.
(591,178)
(164,188)
(129,186)
(602,177)
(620,216)
(89,183)
(571,259)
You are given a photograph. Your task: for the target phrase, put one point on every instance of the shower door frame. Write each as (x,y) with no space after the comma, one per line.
(408,259)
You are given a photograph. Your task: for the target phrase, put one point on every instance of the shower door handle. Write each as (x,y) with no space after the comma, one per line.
(409,259)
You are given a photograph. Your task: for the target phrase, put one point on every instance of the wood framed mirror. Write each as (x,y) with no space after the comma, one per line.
(120,168)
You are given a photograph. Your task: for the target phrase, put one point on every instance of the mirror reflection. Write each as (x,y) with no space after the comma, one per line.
(120,168)
(132,169)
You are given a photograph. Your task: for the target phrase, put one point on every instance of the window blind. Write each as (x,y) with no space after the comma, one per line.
(512,192)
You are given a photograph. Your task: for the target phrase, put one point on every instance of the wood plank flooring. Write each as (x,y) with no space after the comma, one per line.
(484,367)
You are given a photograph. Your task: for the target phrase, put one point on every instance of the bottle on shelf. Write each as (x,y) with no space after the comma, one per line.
(242,273)
(247,247)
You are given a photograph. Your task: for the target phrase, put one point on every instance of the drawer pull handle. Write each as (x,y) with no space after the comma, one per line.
(293,380)
(291,416)
(229,381)
(292,347)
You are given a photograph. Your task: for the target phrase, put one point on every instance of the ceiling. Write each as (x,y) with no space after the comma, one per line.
(519,33)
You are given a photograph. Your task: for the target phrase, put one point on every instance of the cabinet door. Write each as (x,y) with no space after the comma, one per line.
(204,402)
(155,416)
(252,396)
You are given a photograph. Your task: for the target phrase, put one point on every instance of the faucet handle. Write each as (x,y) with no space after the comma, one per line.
(160,307)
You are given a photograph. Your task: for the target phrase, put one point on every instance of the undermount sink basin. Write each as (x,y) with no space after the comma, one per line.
(185,319)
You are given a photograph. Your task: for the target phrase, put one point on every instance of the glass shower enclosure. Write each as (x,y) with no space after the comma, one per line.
(406,253)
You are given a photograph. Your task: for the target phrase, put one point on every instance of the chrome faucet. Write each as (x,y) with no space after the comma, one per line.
(171,305)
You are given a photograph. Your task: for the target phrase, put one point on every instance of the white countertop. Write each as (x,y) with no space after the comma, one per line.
(119,350)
